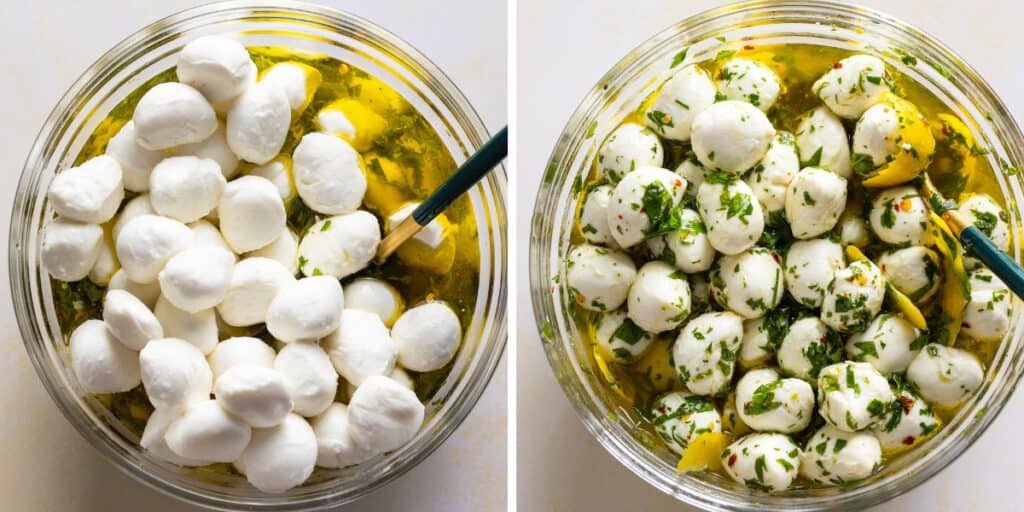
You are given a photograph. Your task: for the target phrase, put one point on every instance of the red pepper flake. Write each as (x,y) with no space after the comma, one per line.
(747,38)
(748,47)
(732,460)
(679,183)
(837,65)
(909,440)
(907,403)
(777,258)
(621,217)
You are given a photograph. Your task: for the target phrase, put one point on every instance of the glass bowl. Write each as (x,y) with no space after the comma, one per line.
(619,92)
(152,50)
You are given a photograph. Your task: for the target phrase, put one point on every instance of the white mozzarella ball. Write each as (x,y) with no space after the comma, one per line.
(362,347)
(402,377)
(821,142)
(914,271)
(238,351)
(198,328)
(335,446)
(215,147)
(217,66)
(853,230)
(757,345)
(749,284)
(100,362)
(430,235)
(333,121)
(889,343)
(135,207)
(136,161)
(298,82)
(153,438)
(284,249)
(279,172)
(257,123)
(383,414)
(814,201)
(747,80)
(693,172)
(70,249)
(171,114)
(129,320)
(309,375)
(308,309)
(147,242)
(89,193)
(771,177)
(853,396)
(375,296)
(983,279)
(628,148)
(910,421)
(197,278)
(853,297)
(594,216)
(147,293)
(836,457)
(255,394)
(281,457)
(175,375)
(731,136)
(686,94)
(990,218)
(810,266)
(688,247)
(899,216)
(659,299)
(680,417)
(705,352)
(732,215)
(945,376)
(807,347)
(205,234)
(339,246)
(599,278)
(251,213)
(852,85)
(628,218)
(106,262)
(762,462)
(620,339)
(700,293)
(768,403)
(253,285)
(426,337)
(328,174)
(207,432)
(876,138)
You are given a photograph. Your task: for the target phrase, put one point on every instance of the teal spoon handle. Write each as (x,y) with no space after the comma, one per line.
(486,158)
(1004,267)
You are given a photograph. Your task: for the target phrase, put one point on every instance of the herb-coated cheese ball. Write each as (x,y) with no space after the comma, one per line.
(279,172)
(628,148)
(254,283)
(732,215)
(298,81)
(852,85)
(682,97)
(219,67)
(309,375)
(945,376)
(889,343)
(836,457)
(100,362)
(594,216)
(328,174)
(308,309)
(280,457)
(89,193)
(810,266)
(216,148)
(207,432)
(136,161)
(731,136)
(147,242)
(251,213)
(807,347)
(914,271)
(134,207)
(983,279)
(757,345)
(680,417)
(205,234)
(427,336)
(197,278)
(198,328)
(284,250)
(339,246)
(659,299)
(853,396)
(910,422)
(700,293)
(257,123)
(171,114)
(154,438)
(620,339)
(876,139)
(175,375)
(383,414)
(853,297)
(599,278)
(692,171)
(749,284)
(362,347)
(375,296)
(990,218)
(899,216)
(240,350)
(814,201)
(69,249)
(746,80)
(821,142)
(771,177)
(640,201)
(147,293)
(688,247)
(335,446)
(762,462)
(853,230)
(255,394)
(129,320)
(769,403)
(705,352)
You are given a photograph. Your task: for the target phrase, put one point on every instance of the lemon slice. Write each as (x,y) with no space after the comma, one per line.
(903,303)
(917,146)
(619,386)
(655,365)
(955,288)
(366,124)
(704,453)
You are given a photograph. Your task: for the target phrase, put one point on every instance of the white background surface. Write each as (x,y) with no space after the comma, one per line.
(44,45)
(563,48)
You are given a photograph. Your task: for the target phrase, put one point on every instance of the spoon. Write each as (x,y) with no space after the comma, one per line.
(472,170)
